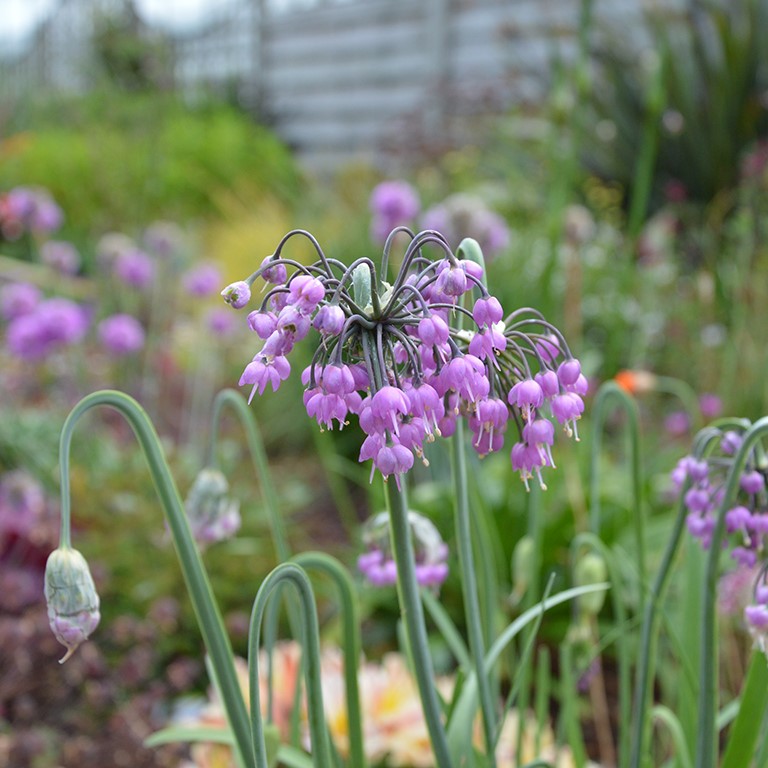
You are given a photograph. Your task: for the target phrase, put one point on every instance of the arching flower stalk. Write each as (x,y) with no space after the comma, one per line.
(409,359)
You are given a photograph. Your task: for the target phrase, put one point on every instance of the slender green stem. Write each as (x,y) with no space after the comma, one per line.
(608,391)
(706,736)
(624,653)
(260,464)
(207,612)
(469,588)
(649,634)
(413,619)
(352,645)
(310,643)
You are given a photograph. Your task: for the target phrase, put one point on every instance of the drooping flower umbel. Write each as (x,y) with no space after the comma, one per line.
(412,356)
(704,479)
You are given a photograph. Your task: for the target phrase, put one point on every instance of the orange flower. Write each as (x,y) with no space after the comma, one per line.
(636,382)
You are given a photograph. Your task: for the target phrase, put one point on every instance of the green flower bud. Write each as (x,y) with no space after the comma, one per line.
(213,514)
(522,563)
(73,604)
(590,569)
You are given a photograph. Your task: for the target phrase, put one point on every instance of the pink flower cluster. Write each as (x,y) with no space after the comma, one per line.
(411,357)
(26,209)
(746,522)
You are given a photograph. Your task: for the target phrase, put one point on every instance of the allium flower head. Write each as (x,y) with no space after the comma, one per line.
(392,204)
(702,479)
(52,324)
(61,256)
(73,603)
(121,334)
(377,563)
(213,514)
(462,215)
(202,280)
(24,209)
(411,356)
(134,268)
(17,299)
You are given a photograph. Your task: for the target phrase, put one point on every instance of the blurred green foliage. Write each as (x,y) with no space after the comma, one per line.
(703,82)
(117,160)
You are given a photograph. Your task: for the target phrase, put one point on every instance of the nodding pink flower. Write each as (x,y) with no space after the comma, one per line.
(580,386)
(202,280)
(757,616)
(540,434)
(465,375)
(452,281)
(237,295)
(277,274)
(412,434)
(698,500)
(473,269)
(487,311)
(371,446)
(329,320)
(279,344)
(487,343)
(292,321)
(752,482)
(387,405)
(433,330)
(426,403)
(264,324)
(700,526)
(394,459)
(305,293)
(527,395)
(324,408)
(121,334)
(262,371)
(747,558)
(548,348)
(568,371)
(338,379)
(737,518)
(488,423)
(730,443)
(549,383)
(567,409)
(527,460)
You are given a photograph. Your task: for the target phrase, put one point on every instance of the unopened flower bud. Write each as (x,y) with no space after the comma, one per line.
(522,566)
(73,604)
(213,515)
(590,569)
(237,294)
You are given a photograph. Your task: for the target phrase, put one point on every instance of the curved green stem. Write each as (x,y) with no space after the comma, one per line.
(413,619)
(207,612)
(352,645)
(259,457)
(706,735)
(622,641)
(608,391)
(649,634)
(469,588)
(310,643)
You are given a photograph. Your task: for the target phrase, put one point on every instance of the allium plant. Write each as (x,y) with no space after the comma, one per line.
(410,359)
(414,359)
(746,518)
